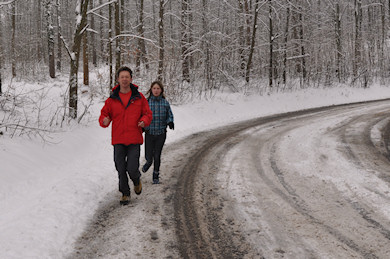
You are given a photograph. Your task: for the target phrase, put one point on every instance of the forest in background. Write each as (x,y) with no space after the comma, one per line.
(198,45)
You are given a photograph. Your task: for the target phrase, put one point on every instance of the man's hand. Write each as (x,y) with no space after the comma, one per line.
(141,124)
(106,121)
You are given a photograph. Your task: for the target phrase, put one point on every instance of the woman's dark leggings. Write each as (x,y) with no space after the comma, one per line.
(153,148)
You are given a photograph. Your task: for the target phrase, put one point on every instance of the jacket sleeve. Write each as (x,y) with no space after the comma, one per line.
(146,114)
(105,112)
(169,113)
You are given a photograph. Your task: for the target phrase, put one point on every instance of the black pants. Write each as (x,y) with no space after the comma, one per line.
(153,148)
(126,160)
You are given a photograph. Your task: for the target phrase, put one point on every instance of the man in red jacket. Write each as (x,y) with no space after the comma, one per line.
(129,112)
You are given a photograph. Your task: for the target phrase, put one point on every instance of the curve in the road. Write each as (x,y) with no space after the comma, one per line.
(204,231)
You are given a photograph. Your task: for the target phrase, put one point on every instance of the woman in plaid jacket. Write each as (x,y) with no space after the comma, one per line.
(155,133)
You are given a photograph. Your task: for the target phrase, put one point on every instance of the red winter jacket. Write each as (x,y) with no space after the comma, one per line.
(125,117)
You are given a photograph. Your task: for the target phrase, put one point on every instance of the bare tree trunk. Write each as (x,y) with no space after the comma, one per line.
(118,39)
(296,41)
(338,42)
(161,42)
(39,30)
(50,38)
(122,28)
(184,42)
(85,59)
(248,23)
(81,17)
(59,29)
(190,34)
(242,39)
(252,47)
(383,38)
(358,38)
(206,46)
(141,52)
(122,15)
(101,28)
(13,54)
(110,44)
(302,42)
(285,42)
(245,35)
(139,29)
(93,43)
(271,45)
(1,58)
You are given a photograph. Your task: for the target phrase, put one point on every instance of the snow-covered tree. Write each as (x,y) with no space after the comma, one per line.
(74,54)
(50,37)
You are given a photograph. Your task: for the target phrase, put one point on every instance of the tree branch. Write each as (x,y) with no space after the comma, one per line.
(66,46)
(15,126)
(134,36)
(5,3)
(103,5)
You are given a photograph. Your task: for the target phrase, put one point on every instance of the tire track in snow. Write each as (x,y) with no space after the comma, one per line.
(194,228)
(297,202)
(193,207)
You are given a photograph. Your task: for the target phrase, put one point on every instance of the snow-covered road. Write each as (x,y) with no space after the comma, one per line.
(312,184)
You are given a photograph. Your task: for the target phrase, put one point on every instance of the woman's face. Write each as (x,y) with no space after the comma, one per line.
(156,90)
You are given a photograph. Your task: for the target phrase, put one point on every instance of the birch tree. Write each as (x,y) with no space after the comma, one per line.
(117,38)
(101,31)
(285,46)
(1,57)
(383,39)
(50,37)
(13,54)
(298,41)
(302,44)
(338,41)
(141,50)
(253,40)
(161,41)
(206,45)
(85,59)
(74,54)
(110,45)
(185,63)
(271,44)
(93,42)
(39,30)
(244,34)
(59,28)
(358,38)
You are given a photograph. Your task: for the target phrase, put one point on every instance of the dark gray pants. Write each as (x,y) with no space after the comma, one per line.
(126,160)
(153,148)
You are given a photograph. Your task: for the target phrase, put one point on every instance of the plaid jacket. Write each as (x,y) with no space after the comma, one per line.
(162,115)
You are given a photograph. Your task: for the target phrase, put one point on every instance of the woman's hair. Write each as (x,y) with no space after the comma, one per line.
(149,92)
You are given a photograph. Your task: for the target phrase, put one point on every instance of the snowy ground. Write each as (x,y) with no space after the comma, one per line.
(48,192)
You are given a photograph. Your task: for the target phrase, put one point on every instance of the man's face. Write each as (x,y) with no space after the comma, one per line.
(124,78)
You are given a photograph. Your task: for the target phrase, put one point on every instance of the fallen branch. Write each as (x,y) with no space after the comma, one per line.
(15,126)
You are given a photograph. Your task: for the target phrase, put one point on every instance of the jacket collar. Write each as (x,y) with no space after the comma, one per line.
(135,95)
(134,92)
(155,98)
